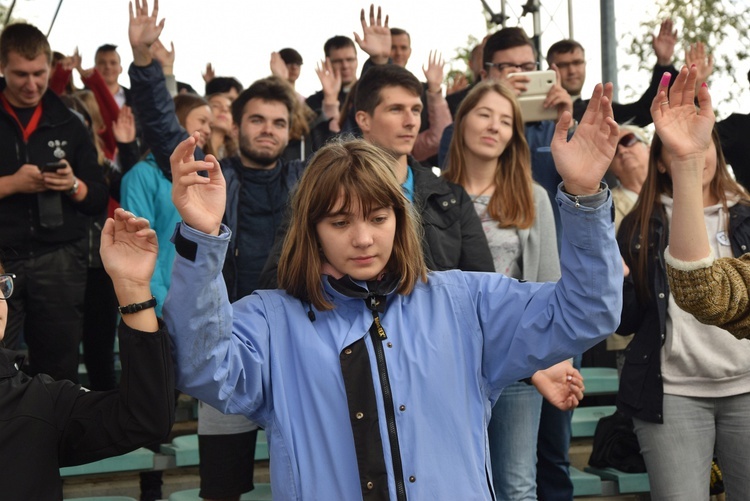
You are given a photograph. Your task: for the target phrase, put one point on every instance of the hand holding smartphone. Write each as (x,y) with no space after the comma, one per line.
(52,166)
(532,99)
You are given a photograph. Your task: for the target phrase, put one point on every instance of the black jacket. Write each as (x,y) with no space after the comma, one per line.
(453,234)
(641,392)
(48,424)
(60,134)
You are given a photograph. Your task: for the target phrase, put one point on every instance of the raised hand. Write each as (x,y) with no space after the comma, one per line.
(143,30)
(376,37)
(684,130)
(77,62)
(561,385)
(209,74)
(278,67)
(330,79)
(584,159)
(199,200)
(695,55)
(434,71)
(124,127)
(165,57)
(128,249)
(664,43)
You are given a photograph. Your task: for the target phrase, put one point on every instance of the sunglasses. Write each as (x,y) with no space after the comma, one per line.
(6,285)
(628,140)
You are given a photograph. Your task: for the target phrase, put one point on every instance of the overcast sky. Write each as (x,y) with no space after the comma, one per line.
(237,36)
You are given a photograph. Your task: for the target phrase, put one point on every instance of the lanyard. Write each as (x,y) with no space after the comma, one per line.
(33,123)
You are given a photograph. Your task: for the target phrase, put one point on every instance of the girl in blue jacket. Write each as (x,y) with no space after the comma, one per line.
(373,377)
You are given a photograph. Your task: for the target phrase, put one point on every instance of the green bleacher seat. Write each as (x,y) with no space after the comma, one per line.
(585,419)
(185,449)
(585,484)
(139,459)
(262,492)
(600,380)
(628,483)
(102,498)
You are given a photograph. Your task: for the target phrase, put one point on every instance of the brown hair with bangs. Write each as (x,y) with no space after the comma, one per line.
(340,175)
(512,203)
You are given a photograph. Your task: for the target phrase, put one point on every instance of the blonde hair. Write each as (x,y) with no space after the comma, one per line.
(340,175)
(512,203)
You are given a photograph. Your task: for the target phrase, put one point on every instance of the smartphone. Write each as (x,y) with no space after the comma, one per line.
(52,166)
(531,101)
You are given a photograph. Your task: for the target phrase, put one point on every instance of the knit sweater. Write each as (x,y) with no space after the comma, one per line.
(714,290)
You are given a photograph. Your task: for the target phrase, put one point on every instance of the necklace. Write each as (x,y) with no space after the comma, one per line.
(486,188)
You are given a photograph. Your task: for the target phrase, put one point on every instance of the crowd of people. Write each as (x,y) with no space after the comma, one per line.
(396,284)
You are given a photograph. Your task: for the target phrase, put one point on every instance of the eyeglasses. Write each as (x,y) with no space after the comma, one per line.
(504,66)
(6,285)
(345,60)
(628,140)
(570,64)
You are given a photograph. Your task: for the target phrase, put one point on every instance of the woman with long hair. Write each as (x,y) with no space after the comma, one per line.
(686,385)
(490,158)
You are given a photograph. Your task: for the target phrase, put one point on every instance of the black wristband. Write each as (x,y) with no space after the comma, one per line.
(136,307)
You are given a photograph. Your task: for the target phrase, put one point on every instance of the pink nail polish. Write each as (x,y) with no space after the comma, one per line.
(665,78)
(704,84)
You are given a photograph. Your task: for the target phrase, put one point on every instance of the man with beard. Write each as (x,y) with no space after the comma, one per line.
(258,186)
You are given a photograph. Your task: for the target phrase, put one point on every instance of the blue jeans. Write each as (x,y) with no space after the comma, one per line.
(512,435)
(678,453)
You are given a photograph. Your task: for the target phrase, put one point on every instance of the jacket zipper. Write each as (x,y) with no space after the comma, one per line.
(377,333)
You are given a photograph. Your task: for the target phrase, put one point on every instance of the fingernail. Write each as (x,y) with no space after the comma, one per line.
(704,84)
(665,78)
(692,66)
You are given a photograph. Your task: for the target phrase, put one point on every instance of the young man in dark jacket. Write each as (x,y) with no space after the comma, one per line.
(49,182)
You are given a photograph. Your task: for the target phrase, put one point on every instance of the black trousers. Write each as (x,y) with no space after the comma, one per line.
(47,309)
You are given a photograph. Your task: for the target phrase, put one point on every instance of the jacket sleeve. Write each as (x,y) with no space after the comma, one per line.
(96,424)
(546,234)
(221,349)
(154,109)
(428,141)
(639,112)
(475,251)
(107,106)
(714,291)
(530,326)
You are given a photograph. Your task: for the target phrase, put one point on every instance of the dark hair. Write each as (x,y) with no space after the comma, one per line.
(290,56)
(563,47)
(649,203)
(398,31)
(351,172)
(222,84)
(107,47)
(26,40)
(367,96)
(337,42)
(265,89)
(185,103)
(504,39)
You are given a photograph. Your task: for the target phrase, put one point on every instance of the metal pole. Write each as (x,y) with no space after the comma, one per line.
(10,11)
(59,4)
(609,43)
(502,12)
(537,17)
(570,20)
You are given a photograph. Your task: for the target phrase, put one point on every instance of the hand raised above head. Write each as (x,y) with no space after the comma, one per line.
(330,78)
(199,200)
(278,66)
(584,159)
(128,249)
(143,30)
(433,72)
(684,130)
(376,37)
